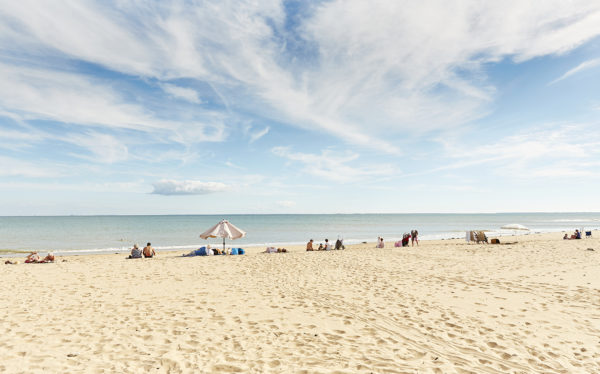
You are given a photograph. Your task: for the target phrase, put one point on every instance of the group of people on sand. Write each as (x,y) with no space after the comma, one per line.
(339,244)
(34,258)
(147,251)
(413,237)
(209,251)
(576,235)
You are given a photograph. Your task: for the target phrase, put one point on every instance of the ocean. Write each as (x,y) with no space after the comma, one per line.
(109,234)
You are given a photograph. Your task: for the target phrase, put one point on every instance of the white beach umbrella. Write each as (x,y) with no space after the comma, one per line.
(224,230)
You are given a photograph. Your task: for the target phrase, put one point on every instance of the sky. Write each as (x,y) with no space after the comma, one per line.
(233,107)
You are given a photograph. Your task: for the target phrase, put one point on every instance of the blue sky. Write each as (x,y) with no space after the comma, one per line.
(298,107)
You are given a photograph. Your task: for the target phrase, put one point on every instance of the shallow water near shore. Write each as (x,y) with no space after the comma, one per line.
(108,234)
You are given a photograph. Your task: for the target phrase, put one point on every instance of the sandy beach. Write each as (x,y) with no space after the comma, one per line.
(442,307)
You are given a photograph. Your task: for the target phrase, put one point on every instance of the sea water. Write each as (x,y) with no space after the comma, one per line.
(109,234)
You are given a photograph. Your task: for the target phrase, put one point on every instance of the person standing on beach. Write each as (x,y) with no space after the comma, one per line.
(414,237)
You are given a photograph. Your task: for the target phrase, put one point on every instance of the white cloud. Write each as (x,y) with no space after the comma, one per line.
(187,94)
(120,187)
(581,67)
(233,166)
(367,73)
(32,93)
(259,134)
(187,187)
(12,167)
(104,148)
(335,166)
(554,150)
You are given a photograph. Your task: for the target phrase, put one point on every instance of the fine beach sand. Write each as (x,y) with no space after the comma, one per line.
(443,307)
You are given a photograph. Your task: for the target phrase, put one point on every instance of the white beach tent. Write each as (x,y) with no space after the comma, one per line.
(224,230)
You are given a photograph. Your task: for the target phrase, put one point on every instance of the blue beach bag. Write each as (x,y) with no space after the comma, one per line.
(241,251)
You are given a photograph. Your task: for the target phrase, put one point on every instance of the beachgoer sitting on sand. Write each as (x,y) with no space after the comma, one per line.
(32,258)
(309,246)
(327,245)
(148,251)
(320,247)
(405,239)
(380,243)
(576,235)
(566,237)
(339,244)
(136,252)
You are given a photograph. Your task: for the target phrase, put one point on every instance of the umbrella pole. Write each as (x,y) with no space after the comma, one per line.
(223,244)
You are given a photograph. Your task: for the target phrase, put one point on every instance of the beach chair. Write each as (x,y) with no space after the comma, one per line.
(481,237)
(588,234)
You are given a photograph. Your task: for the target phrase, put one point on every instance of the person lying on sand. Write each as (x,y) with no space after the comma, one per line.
(275,250)
(32,258)
(136,252)
(9,262)
(149,251)
(48,258)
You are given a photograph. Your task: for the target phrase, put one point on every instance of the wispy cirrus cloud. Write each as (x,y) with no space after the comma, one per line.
(259,134)
(334,166)
(589,64)
(14,167)
(553,150)
(354,70)
(187,187)
(42,94)
(184,93)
